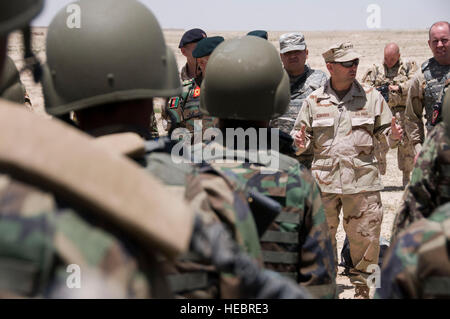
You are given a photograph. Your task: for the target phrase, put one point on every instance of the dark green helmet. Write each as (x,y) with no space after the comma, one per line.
(117,54)
(245,80)
(17,14)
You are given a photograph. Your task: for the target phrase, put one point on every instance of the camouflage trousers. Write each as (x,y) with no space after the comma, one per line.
(362,214)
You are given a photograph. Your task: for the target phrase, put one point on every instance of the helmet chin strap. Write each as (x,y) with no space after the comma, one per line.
(31,61)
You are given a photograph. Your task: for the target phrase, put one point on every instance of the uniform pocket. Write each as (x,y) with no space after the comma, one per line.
(366,171)
(323,130)
(362,130)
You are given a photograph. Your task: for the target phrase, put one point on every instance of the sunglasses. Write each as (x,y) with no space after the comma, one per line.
(348,64)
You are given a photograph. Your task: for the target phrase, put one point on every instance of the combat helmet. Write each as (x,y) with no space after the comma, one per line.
(245,80)
(112,56)
(17,14)
(446,108)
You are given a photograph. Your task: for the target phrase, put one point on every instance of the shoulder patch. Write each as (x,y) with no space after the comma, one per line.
(425,65)
(196,92)
(173,103)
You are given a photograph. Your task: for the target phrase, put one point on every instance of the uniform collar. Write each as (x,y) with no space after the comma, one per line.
(328,92)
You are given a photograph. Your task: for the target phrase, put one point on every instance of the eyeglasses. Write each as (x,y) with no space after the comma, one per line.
(348,64)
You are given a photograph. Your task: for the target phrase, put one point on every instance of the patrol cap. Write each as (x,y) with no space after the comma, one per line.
(341,53)
(259,33)
(292,42)
(191,36)
(206,46)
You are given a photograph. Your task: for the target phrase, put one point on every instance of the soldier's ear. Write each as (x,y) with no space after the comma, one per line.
(183,51)
(330,67)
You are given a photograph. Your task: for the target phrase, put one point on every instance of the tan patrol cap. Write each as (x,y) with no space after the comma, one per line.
(341,53)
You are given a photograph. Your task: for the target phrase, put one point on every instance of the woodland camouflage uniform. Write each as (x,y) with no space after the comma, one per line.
(418,262)
(430,179)
(297,243)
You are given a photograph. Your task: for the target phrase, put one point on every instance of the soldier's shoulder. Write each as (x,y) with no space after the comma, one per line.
(169,168)
(318,73)
(317,78)
(312,98)
(428,64)
(410,64)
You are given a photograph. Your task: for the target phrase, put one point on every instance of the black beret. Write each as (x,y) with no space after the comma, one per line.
(191,36)
(206,46)
(259,33)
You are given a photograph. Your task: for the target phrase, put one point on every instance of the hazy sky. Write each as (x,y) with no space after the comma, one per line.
(286,15)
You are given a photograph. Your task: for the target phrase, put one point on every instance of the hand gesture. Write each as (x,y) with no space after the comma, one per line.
(300,138)
(396,130)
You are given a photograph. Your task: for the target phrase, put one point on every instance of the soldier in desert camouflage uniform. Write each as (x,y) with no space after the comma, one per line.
(427,84)
(339,123)
(393,77)
(303,80)
(418,262)
(297,243)
(183,111)
(430,180)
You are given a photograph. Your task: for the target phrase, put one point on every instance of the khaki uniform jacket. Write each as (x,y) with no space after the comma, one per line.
(399,74)
(341,135)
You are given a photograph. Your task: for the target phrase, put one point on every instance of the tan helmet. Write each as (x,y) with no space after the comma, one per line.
(117,54)
(245,80)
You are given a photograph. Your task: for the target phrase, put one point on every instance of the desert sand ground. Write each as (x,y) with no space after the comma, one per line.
(370,44)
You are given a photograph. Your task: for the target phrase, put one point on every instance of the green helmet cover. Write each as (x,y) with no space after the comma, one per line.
(117,54)
(16,14)
(245,80)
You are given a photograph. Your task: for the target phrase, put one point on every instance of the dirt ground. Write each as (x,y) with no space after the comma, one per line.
(413,46)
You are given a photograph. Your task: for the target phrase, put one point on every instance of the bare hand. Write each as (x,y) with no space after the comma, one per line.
(300,138)
(396,130)
(393,88)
